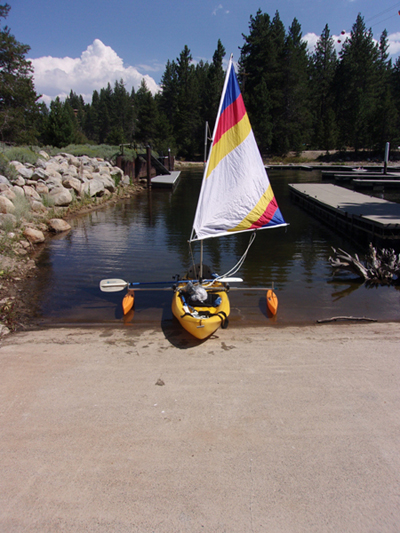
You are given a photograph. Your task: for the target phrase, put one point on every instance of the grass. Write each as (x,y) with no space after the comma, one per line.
(22,208)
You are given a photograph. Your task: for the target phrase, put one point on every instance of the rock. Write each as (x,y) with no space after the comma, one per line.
(37,206)
(72,183)
(59,225)
(93,187)
(8,218)
(44,154)
(54,182)
(16,164)
(39,174)
(4,180)
(31,193)
(4,331)
(26,173)
(41,163)
(109,183)
(8,193)
(60,196)
(6,205)
(19,181)
(41,188)
(18,190)
(34,236)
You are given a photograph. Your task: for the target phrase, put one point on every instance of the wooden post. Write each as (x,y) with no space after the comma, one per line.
(386,158)
(148,153)
(169,160)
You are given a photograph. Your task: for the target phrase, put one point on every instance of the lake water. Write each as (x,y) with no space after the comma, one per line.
(145,239)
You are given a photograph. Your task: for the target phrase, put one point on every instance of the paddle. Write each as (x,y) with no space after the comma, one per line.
(115,285)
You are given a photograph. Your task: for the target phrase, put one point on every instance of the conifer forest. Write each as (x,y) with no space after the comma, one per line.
(296,100)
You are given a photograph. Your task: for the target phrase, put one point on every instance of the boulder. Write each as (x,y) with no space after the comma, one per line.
(93,187)
(18,190)
(5,180)
(31,193)
(54,182)
(39,174)
(6,205)
(34,236)
(8,193)
(19,181)
(41,163)
(37,206)
(59,225)
(26,173)
(8,218)
(60,196)
(109,183)
(41,188)
(70,182)
(44,154)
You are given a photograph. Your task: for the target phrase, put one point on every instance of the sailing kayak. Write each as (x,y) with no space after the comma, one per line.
(201,319)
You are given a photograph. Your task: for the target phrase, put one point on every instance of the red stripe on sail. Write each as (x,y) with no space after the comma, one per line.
(230,117)
(267,216)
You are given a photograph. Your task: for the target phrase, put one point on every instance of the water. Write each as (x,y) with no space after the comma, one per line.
(145,239)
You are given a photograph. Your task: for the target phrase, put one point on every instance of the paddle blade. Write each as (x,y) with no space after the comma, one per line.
(113,285)
(272,302)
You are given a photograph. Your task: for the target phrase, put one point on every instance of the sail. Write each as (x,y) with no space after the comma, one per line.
(236,194)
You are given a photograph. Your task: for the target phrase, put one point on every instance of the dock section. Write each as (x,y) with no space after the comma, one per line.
(355,214)
(166,180)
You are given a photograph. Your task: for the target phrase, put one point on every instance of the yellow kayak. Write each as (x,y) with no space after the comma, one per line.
(201,318)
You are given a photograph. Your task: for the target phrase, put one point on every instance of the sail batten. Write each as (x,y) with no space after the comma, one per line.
(236,194)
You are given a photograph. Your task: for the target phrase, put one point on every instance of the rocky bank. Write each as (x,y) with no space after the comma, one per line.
(37,201)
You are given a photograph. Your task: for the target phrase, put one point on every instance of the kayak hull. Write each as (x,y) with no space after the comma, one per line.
(201,321)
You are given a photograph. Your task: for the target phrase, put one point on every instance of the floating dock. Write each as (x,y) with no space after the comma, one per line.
(355,214)
(166,181)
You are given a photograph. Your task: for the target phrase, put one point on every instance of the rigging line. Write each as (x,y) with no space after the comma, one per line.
(239,264)
(383,12)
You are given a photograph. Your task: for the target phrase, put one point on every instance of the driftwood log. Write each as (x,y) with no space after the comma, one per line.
(380,266)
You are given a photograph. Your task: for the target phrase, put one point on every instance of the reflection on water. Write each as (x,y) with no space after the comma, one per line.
(145,239)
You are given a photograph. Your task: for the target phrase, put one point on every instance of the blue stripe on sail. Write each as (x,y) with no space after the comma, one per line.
(232,90)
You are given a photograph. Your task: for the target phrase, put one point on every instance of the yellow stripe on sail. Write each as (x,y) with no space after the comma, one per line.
(228,142)
(257,212)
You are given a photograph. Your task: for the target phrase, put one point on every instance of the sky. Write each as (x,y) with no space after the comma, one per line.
(82,45)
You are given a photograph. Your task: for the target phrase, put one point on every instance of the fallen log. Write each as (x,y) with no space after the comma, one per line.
(336,318)
(380,266)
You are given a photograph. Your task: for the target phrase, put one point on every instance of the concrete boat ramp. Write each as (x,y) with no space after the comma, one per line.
(355,214)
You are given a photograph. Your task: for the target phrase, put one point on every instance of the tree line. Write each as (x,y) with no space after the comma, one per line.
(295,99)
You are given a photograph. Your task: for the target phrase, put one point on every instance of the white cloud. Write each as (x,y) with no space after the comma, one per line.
(218,8)
(98,65)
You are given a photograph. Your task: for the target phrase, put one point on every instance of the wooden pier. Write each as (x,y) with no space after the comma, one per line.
(357,215)
(166,180)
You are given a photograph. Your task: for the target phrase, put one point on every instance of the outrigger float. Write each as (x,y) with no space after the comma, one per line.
(236,196)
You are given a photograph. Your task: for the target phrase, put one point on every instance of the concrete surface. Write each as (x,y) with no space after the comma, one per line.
(255,430)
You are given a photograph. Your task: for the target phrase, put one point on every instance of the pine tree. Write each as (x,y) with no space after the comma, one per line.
(357,87)
(147,116)
(60,129)
(323,63)
(18,99)
(296,105)
(256,67)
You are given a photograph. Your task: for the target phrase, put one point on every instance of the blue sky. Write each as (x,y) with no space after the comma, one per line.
(84,44)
